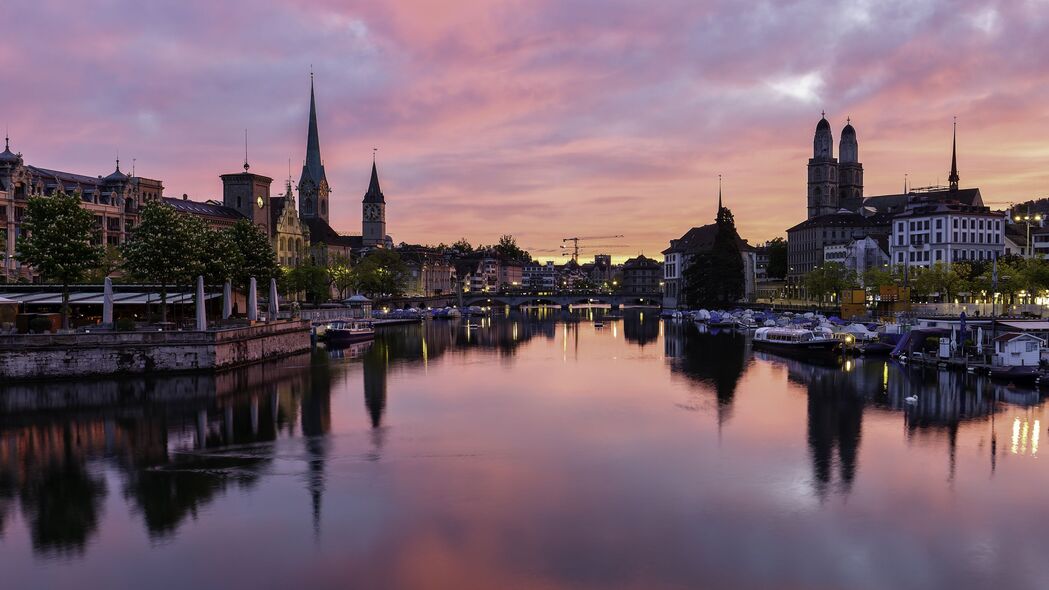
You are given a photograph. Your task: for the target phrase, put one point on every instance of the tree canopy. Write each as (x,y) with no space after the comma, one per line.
(57,241)
(716,278)
(777,266)
(381,273)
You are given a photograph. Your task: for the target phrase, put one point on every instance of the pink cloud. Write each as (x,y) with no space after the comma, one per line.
(538,119)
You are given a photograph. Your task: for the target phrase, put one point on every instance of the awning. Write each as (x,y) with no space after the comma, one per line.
(97,298)
(1032,326)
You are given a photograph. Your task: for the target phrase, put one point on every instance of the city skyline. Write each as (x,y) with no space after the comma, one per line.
(543,122)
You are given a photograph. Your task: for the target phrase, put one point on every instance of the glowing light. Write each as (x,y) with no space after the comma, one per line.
(1015,446)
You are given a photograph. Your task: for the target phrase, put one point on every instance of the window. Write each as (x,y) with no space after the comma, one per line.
(981,224)
(939,237)
(955,223)
(939,255)
(964,224)
(939,224)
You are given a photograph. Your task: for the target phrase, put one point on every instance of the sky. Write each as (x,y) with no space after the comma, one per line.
(544,119)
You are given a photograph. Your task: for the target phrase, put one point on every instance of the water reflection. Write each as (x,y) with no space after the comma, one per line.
(441,446)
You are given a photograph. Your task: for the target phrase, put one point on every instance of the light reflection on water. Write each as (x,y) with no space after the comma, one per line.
(533,450)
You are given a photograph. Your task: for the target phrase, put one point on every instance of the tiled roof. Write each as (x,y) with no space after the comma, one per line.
(322,233)
(897,203)
(206,209)
(701,238)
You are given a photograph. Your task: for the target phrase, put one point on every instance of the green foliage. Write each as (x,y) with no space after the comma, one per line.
(309,279)
(253,253)
(166,248)
(56,240)
(110,263)
(125,324)
(39,325)
(777,251)
(381,273)
(715,278)
(340,275)
(939,278)
(508,250)
(462,247)
(828,279)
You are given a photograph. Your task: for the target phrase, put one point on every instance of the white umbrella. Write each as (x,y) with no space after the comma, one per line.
(107,302)
(202,314)
(253,301)
(227,300)
(273,308)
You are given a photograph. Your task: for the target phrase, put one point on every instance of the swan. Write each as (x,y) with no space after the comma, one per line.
(911,400)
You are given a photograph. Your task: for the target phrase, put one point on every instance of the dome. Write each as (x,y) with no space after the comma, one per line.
(848,131)
(117,175)
(823,124)
(6,157)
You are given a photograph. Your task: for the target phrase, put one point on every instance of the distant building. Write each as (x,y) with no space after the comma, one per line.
(115,200)
(537,276)
(641,276)
(430,272)
(699,240)
(860,255)
(932,231)
(808,240)
(214,214)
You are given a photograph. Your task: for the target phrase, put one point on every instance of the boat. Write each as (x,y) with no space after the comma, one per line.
(1021,374)
(345,332)
(794,340)
(875,348)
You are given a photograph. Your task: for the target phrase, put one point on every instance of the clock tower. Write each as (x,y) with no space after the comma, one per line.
(249,194)
(373,209)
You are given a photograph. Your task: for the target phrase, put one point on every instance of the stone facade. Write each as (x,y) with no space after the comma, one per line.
(51,356)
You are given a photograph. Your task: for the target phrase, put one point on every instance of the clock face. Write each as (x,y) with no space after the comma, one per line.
(371,212)
(261,202)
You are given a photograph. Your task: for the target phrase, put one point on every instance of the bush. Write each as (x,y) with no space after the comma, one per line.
(125,324)
(39,325)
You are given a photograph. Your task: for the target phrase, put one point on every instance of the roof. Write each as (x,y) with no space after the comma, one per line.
(204,209)
(1010,336)
(65,176)
(374,194)
(843,219)
(922,206)
(1028,326)
(641,261)
(313,168)
(1017,234)
(322,233)
(896,203)
(701,238)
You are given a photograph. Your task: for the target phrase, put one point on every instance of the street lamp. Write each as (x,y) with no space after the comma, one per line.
(1027,219)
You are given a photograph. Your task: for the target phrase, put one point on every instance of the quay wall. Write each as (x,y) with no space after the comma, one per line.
(56,356)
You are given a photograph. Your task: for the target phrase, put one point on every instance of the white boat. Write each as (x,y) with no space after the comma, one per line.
(794,340)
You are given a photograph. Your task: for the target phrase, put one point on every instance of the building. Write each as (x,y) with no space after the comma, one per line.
(538,276)
(114,199)
(289,232)
(861,255)
(214,214)
(430,273)
(807,241)
(698,240)
(834,185)
(1016,240)
(931,231)
(641,276)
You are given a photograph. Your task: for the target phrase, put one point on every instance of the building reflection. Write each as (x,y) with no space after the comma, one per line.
(715,360)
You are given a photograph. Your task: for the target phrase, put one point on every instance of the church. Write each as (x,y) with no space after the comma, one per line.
(299,228)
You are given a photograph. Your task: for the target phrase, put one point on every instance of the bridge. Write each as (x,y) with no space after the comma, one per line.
(516,300)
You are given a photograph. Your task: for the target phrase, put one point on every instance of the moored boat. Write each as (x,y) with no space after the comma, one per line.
(794,340)
(345,332)
(1017,374)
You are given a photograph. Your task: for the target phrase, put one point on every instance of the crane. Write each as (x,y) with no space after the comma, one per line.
(575,243)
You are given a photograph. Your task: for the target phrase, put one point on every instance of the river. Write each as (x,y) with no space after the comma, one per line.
(533,451)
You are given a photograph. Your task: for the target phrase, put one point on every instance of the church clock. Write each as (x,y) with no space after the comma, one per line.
(261,202)
(371,212)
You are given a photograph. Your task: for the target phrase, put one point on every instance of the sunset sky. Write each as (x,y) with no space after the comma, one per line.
(543,119)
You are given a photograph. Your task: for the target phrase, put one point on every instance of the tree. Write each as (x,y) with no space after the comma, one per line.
(340,274)
(777,251)
(828,279)
(109,263)
(310,279)
(165,249)
(382,273)
(715,278)
(252,250)
(508,250)
(56,240)
(462,247)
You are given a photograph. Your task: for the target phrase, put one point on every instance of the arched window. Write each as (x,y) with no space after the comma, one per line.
(282,243)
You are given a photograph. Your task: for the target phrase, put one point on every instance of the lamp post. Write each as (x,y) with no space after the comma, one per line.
(1027,219)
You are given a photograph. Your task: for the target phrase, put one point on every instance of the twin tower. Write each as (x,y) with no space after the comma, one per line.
(834,183)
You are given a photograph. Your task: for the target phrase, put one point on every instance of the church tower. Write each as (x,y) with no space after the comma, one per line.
(953,178)
(313,184)
(249,194)
(823,172)
(850,171)
(373,212)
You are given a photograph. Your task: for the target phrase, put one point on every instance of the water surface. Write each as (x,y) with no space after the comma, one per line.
(534,451)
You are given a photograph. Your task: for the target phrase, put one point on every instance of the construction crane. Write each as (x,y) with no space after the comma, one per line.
(575,244)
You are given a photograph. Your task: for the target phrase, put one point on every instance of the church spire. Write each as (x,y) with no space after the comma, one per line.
(953,178)
(374,194)
(313,143)
(719,194)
